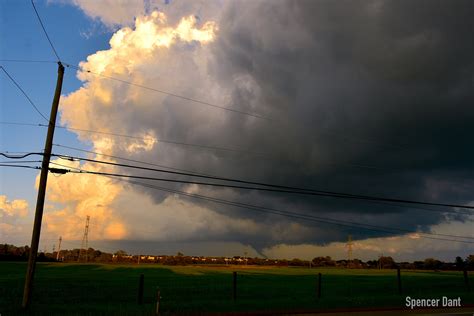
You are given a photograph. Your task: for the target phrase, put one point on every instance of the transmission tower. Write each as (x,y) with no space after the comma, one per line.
(349,249)
(85,241)
(59,249)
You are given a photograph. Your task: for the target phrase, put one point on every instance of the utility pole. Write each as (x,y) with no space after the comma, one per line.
(35,237)
(59,248)
(349,250)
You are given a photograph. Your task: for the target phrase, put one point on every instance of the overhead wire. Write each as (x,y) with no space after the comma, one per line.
(169,93)
(9,156)
(27,61)
(300,215)
(464,212)
(270,187)
(126,159)
(331,221)
(44,30)
(130,160)
(141,138)
(261,155)
(19,123)
(207,103)
(326,220)
(24,93)
(160,140)
(192,173)
(348,138)
(21,161)
(199,173)
(19,166)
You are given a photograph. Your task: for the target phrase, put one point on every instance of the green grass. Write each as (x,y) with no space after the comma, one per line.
(86,289)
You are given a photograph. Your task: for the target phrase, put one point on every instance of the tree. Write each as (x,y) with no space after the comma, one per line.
(459,263)
(470,262)
(432,264)
(323,261)
(120,253)
(387,262)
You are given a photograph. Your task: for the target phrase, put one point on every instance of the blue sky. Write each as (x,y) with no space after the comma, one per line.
(23,38)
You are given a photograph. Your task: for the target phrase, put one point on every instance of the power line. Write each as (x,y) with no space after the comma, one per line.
(24,93)
(270,188)
(44,30)
(198,173)
(127,159)
(170,93)
(15,152)
(22,161)
(301,215)
(375,228)
(337,222)
(211,104)
(160,140)
(261,154)
(26,61)
(192,173)
(347,138)
(130,160)
(250,206)
(18,123)
(464,212)
(68,157)
(139,138)
(6,155)
(350,138)
(17,166)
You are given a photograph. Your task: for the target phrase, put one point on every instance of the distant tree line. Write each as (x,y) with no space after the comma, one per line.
(13,253)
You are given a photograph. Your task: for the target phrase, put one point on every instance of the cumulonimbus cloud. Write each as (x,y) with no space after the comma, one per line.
(359,103)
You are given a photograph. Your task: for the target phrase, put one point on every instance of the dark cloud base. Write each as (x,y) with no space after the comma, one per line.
(366,97)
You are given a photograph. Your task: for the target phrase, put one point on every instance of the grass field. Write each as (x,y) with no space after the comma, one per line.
(85,289)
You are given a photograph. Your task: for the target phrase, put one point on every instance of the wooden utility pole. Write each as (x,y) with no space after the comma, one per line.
(319,285)
(234,285)
(141,282)
(30,272)
(399,278)
(349,251)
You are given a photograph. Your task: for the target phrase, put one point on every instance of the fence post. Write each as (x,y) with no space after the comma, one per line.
(399,281)
(319,285)
(140,289)
(234,285)
(158,297)
(466,280)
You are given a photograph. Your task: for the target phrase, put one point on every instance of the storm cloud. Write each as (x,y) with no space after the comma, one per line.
(361,97)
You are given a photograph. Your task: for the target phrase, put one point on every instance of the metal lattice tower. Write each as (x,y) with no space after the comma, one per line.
(85,241)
